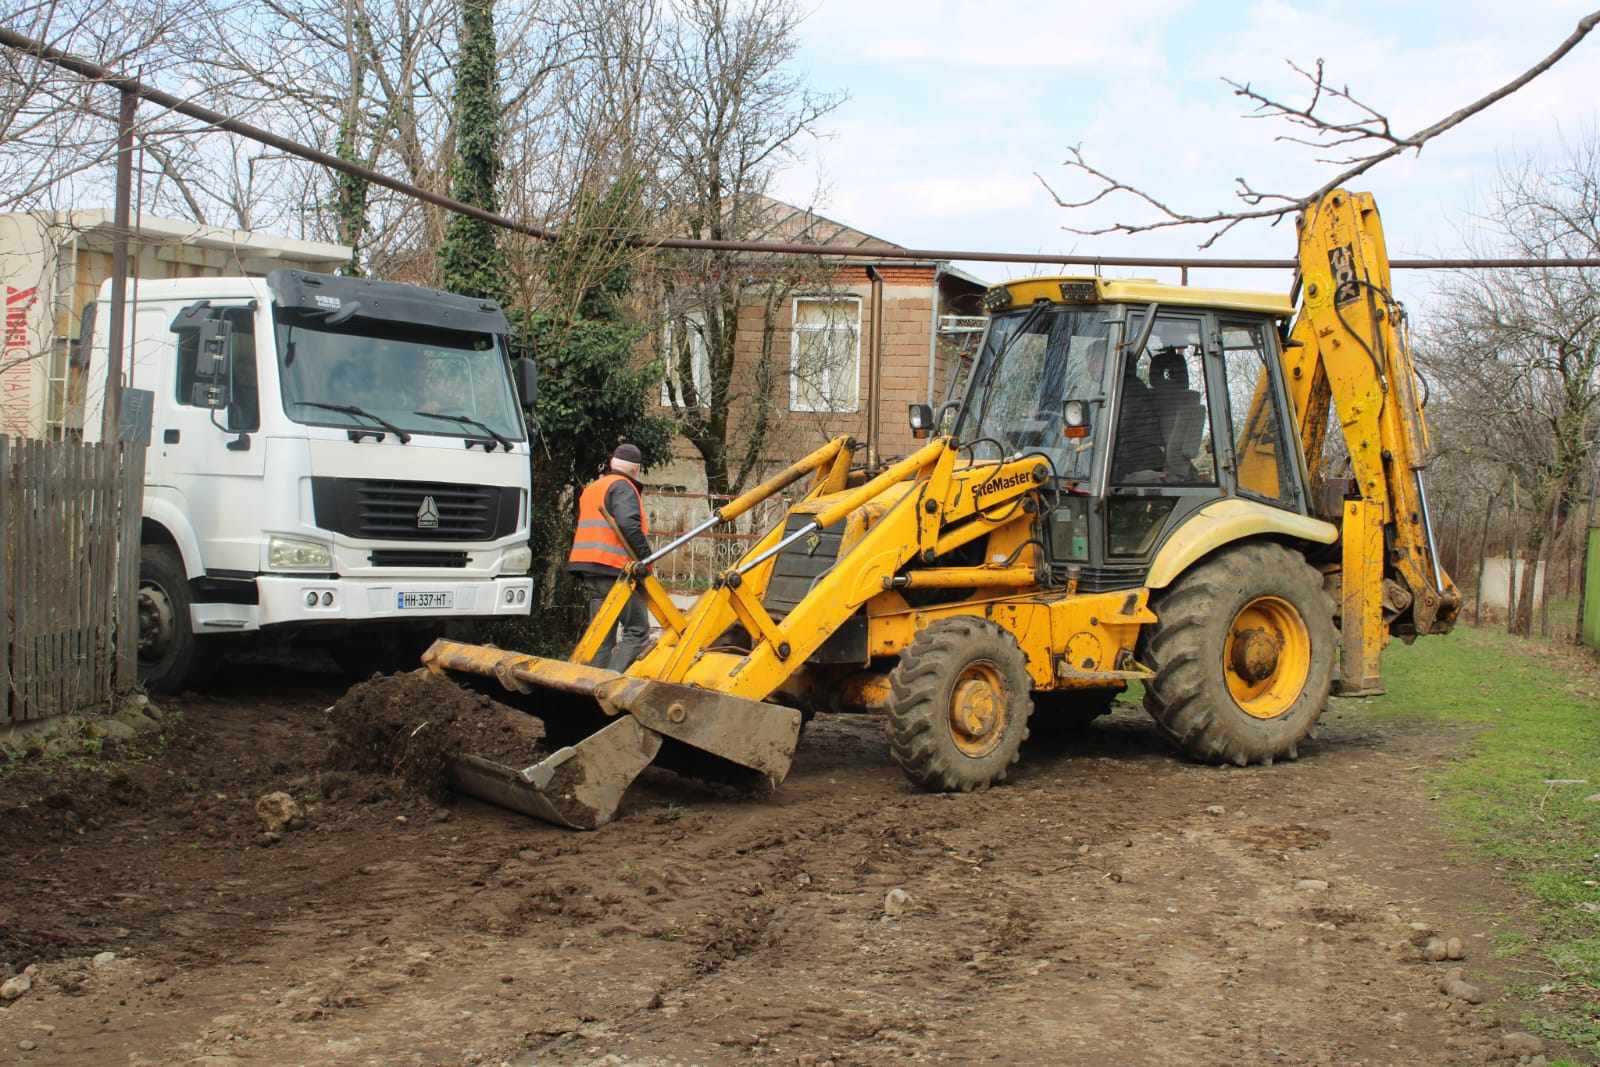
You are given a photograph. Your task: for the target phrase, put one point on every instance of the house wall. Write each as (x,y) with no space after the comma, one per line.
(909,296)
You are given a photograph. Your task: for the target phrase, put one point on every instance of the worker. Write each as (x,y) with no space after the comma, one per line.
(611,533)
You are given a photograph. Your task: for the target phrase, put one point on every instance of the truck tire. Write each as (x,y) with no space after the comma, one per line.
(1064,712)
(959,704)
(171,657)
(1243,655)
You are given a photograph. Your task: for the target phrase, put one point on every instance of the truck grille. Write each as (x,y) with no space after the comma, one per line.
(406,557)
(388,510)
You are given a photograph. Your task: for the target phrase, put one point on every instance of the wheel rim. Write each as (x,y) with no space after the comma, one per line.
(978,710)
(1267,657)
(157,623)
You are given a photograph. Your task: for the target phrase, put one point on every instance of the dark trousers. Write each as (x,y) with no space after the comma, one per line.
(634,620)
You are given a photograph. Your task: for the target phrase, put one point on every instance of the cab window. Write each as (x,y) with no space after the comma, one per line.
(243,414)
(1262,462)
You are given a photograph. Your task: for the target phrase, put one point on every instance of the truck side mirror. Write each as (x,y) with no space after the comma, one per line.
(213,337)
(1075,420)
(921,419)
(526,377)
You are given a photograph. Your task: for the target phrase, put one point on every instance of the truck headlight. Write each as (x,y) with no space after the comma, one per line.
(517,561)
(292,554)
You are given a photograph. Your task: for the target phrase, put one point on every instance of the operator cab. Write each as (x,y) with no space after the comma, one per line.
(1148,401)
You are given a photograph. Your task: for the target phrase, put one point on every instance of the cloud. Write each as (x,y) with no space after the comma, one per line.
(954,106)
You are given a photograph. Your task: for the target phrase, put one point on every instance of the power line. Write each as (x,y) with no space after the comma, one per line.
(95,72)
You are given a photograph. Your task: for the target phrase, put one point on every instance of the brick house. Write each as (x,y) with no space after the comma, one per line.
(822,340)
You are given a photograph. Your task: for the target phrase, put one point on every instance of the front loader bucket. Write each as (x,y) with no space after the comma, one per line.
(581,785)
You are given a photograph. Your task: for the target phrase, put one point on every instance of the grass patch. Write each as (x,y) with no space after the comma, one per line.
(1521,795)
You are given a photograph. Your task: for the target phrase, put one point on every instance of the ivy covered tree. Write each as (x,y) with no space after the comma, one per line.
(471,260)
(350,192)
(593,392)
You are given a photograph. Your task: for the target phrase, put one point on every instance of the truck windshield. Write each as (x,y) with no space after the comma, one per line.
(399,372)
(1032,360)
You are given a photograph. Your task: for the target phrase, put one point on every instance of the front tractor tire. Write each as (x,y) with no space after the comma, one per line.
(1243,656)
(958,706)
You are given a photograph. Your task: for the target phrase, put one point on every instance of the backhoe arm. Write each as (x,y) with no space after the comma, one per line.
(1349,350)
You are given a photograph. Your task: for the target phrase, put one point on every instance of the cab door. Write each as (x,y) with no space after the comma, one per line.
(1262,458)
(214,458)
(1163,462)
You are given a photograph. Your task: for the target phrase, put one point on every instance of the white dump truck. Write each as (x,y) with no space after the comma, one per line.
(337,460)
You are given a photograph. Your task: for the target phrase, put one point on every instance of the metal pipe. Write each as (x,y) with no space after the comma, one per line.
(1427,529)
(933,329)
(743,503)
(116,340)
(964,578)
(858,496)
(808,528)
(681,541)
(95,72)
(875,367)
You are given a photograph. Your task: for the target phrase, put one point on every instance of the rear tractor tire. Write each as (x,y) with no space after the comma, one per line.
(1243,656)
(959,704)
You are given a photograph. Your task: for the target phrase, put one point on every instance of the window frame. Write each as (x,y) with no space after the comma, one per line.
(699,362)
(1292,497)
(830,407)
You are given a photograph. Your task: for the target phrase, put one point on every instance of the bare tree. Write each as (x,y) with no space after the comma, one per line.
(1517,351)
(732,109)
(1348,133)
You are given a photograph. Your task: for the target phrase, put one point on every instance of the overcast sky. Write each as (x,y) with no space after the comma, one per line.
(955,104)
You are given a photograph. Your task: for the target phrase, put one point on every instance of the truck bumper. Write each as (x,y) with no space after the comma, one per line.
(287,600)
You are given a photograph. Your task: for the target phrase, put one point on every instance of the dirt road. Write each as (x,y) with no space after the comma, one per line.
(1111,905)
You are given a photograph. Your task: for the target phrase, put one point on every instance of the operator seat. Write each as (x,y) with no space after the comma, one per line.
(1136,456)
(1181,412)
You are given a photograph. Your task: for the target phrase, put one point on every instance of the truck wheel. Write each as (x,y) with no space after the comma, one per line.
(1243,656)
(171,657)
(958,709)
(1064,712)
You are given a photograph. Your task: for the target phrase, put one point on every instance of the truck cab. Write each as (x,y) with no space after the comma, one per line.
(338,460)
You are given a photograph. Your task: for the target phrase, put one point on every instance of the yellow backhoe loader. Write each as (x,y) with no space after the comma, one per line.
(1131,486)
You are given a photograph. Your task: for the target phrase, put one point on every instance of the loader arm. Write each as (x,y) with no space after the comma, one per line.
(1348,352)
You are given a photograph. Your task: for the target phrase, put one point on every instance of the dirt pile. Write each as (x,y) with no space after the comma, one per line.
(410,725)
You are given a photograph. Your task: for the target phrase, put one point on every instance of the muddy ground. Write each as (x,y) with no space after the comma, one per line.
(1110,905)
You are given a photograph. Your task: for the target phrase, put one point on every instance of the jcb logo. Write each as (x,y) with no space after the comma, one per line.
(1346,286)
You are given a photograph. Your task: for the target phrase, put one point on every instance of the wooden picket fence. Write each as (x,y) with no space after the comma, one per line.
(69,575)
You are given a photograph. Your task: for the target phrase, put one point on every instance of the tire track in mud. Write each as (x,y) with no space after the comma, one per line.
(1095,909)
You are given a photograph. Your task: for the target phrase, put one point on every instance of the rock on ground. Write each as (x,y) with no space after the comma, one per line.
(278,811)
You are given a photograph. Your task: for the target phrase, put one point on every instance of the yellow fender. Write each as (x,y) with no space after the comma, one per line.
(1224,522)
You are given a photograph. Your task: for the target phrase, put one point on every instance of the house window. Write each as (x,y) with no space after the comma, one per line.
(686,329)
(825,354)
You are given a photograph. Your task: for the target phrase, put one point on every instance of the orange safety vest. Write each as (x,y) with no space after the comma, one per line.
(597,541)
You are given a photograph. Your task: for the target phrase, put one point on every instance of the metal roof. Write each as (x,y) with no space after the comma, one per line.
(1025,291)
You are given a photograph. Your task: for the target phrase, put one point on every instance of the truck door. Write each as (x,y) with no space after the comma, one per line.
(214,457)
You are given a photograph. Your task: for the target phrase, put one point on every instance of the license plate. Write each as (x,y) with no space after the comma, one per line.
(425,601)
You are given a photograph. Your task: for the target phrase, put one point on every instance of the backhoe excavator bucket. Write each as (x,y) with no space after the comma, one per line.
(620,724)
